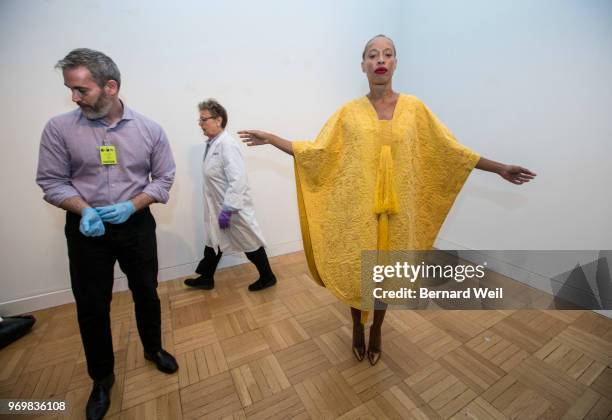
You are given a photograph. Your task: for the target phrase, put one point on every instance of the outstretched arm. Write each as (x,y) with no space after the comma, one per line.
(511,173)
(258,138)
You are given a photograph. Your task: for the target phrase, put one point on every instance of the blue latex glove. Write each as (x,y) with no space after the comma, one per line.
(117,213)
(224,219)
(91,223)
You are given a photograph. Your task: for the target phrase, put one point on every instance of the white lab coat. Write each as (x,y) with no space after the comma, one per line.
(225,183)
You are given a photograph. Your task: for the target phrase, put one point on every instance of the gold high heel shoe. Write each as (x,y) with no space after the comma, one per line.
(373,357)
(359,352)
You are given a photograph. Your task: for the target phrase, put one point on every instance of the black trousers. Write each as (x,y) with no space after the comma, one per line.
(208,264)
(134,245)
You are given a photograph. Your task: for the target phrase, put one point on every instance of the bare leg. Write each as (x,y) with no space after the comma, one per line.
(358,335)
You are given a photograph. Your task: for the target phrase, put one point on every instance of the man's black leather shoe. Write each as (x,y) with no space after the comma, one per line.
(165,361)
(99,399)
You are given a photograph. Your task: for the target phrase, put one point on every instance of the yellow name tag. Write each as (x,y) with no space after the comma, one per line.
(108,155)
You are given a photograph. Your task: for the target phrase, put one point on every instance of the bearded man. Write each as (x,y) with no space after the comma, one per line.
(105,164)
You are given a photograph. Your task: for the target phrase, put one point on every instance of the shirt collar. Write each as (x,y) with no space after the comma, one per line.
(128,114)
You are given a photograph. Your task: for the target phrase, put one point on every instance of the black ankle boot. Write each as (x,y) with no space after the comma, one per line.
(99,399)
(262,283)
(201,282)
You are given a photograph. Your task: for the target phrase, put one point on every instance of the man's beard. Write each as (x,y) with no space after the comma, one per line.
(98,110)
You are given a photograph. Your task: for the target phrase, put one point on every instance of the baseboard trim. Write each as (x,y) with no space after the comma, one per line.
(64,296)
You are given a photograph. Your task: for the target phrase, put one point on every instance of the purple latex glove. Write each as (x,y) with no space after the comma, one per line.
(224,219)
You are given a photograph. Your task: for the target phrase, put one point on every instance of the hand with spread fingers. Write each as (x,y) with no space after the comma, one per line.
(254,137)
(512,173)
(516,174)
(259,138)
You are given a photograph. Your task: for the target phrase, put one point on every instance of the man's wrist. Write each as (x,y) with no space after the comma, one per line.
(141,201)
(84,209)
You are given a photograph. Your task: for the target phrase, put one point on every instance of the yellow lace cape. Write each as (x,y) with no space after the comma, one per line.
(368,184)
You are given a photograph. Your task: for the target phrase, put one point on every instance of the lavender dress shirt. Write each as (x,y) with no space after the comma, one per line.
(69,159)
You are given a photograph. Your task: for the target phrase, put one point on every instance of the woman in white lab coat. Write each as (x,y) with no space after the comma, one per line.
(229,216)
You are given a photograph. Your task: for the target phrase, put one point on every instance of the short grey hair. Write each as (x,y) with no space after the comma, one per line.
(372,39)
(215,108)
(101,66)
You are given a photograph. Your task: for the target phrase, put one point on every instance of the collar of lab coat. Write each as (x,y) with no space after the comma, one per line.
(212,143)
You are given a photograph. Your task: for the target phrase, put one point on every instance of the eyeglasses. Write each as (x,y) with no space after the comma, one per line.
(203,120)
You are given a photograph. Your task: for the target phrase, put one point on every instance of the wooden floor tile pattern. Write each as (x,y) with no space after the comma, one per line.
(368,381)
(285,333)
(497,350)
(234,323)
(327,394)
(285,353)
(213,397)
(259,379)
(167,406)
(302,361)
(441,390)
(244,348)
(283,405)
(201,363)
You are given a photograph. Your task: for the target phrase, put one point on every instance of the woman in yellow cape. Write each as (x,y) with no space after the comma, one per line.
(382,175)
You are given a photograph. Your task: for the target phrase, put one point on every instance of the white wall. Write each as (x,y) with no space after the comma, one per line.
(518,81)
(525,82)
(279,66)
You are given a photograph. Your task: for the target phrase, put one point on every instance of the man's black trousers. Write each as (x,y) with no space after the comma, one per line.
(133,244)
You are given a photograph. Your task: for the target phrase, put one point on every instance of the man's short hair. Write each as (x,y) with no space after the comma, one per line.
(101,66)
(216,110)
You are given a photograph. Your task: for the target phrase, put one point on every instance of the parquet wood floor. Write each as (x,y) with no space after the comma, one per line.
(285,353)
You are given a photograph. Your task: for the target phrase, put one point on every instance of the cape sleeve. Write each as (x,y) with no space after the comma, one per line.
(441,166)
(316,161)
(315,164)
